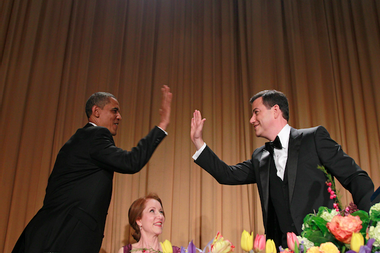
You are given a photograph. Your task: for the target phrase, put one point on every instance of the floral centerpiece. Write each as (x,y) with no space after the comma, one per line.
(329,230)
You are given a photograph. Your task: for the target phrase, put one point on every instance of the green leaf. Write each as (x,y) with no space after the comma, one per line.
(365,220)
(296,250)
(375,215)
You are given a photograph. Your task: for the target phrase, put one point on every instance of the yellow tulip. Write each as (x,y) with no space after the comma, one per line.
(246,241)
(222,247)
(166,247)
(219,245)
(270,247)
(357,240)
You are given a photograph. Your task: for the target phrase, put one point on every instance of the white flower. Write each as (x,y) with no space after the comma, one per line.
(327,216)
(306,243)
(374,232)
(375,207)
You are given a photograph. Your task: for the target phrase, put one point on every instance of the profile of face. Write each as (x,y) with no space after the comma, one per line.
(109,116)
(262,119)
(152,219)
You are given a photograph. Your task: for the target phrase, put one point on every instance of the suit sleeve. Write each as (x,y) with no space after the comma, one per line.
(241,173)
(344,168)
(110,157)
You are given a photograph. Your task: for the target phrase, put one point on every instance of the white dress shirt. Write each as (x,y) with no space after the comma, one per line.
(280,156)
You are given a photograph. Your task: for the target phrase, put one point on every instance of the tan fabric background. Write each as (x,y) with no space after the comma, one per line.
(214,54)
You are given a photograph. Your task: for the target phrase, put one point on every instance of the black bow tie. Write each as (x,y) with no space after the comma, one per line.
(269,146)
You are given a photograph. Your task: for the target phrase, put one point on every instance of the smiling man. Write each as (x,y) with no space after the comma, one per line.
(285,170)
(79,189)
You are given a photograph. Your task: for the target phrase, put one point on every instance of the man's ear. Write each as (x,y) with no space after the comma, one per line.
(277,111)
(95,111)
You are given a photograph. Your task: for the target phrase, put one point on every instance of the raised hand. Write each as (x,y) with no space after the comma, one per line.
(166,102)
(197,129)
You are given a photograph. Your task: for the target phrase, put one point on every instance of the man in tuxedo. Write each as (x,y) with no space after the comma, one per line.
(285,170)
(79,189)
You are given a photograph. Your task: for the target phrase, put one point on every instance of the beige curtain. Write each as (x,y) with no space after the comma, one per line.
(214,54)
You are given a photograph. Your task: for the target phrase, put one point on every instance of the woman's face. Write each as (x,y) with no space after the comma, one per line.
(152,220)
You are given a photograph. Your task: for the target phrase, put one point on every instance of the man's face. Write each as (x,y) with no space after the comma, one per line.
(109,116)
(262,119)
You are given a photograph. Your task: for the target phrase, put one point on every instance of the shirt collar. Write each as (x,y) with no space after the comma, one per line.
(284,136)
(92,123)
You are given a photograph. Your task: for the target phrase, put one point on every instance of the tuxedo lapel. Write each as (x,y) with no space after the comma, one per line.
(291,164)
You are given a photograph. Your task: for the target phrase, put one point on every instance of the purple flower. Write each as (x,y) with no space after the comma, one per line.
(191,248)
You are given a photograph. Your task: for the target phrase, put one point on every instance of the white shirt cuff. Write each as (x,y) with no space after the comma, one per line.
(199,151)
(163,130)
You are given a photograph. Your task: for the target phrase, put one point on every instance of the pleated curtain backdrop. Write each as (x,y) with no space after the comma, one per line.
(214,54)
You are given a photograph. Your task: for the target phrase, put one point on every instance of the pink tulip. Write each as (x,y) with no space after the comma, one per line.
(292,240)
(259,244)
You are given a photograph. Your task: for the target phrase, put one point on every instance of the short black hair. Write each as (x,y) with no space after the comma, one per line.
(99,99)
(271,98)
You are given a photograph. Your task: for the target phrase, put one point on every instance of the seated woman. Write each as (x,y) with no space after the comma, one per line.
(146,216)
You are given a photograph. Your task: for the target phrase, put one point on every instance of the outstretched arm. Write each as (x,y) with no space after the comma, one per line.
(196,129)
(242,173)
(165,107)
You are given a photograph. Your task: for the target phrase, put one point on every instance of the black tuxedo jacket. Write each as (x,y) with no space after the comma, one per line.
(79,191)
(307,149)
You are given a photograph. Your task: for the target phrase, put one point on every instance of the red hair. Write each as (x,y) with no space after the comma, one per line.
(136,210)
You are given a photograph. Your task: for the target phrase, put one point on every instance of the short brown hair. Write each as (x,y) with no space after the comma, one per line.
(136,210)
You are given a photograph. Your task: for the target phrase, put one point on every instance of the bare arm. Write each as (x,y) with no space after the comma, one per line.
(165,107)
(197,129)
